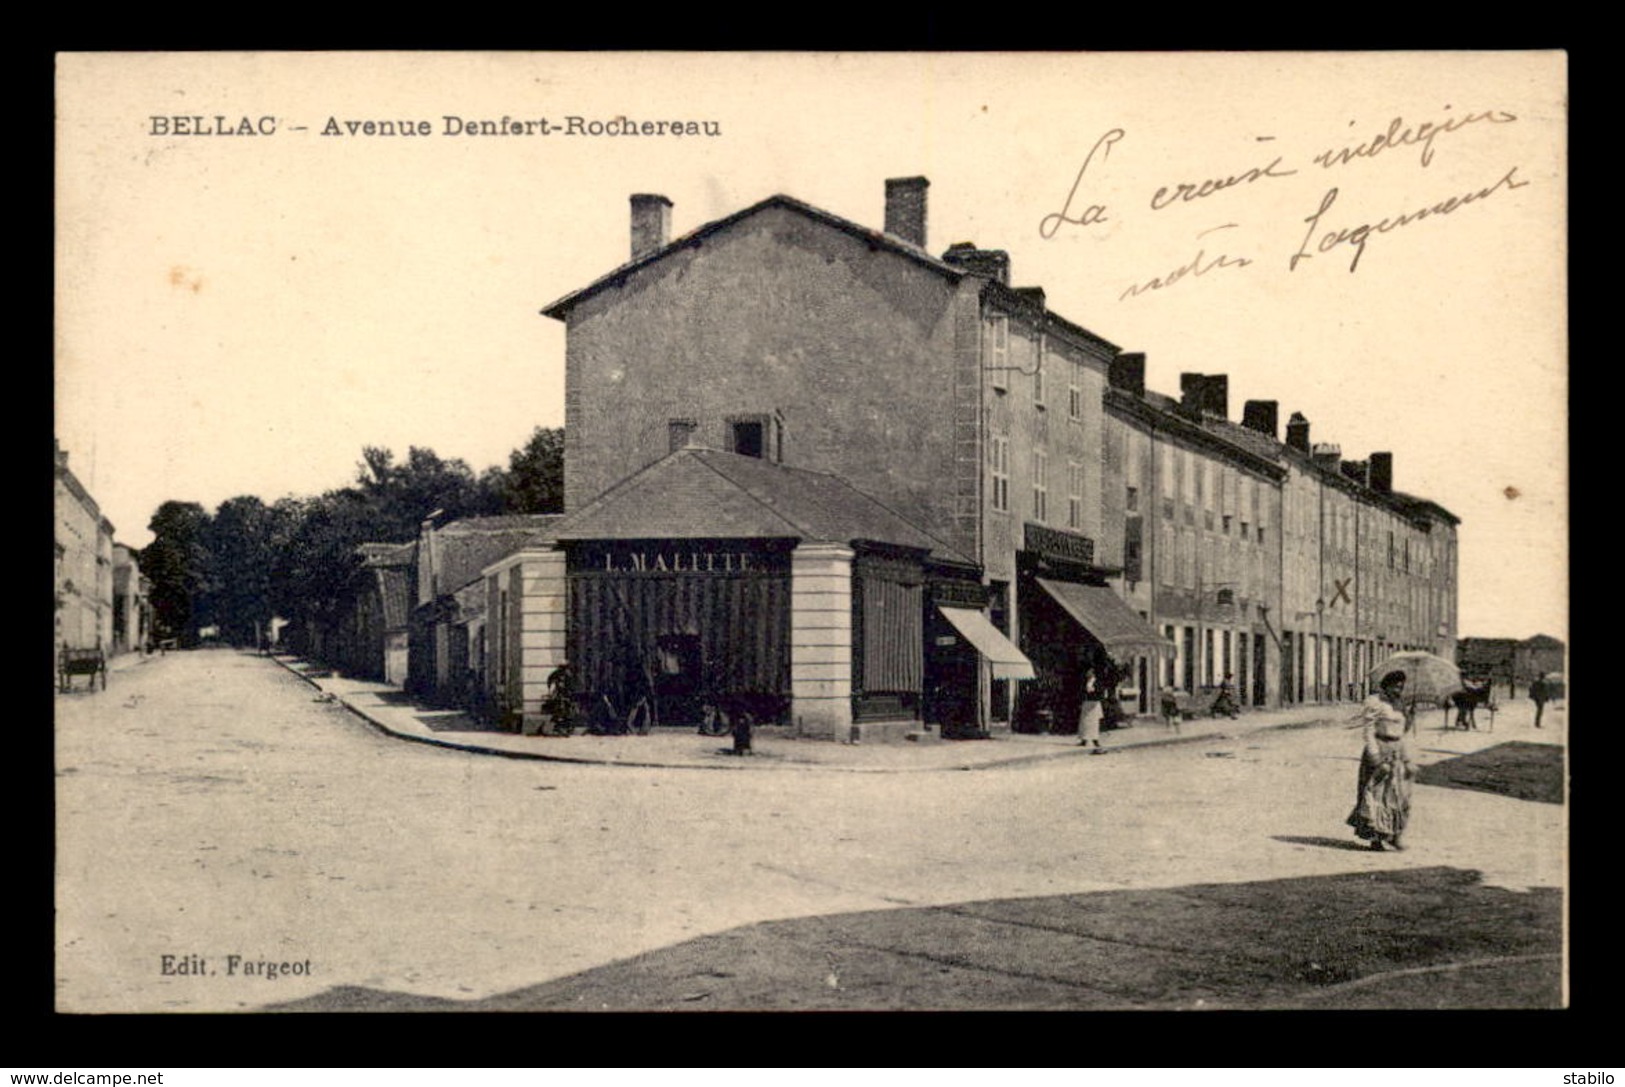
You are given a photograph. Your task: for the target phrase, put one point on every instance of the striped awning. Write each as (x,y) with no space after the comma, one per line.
(1008,662)
(1111,622)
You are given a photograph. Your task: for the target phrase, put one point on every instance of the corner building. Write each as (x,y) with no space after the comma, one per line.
(926,383)
(1045,514)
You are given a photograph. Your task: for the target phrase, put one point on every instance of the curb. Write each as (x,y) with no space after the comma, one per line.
(1014,760)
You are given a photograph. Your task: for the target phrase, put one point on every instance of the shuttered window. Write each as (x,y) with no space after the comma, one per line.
(742,622)
(889,607)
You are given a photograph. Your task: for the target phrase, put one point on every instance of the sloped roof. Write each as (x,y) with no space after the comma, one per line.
(708,494)
(395,590)
(464,548)
(560,309)
(470,602)
(1414,504)
(1263,446)
(1008,297)
(1253,441)
(387,554)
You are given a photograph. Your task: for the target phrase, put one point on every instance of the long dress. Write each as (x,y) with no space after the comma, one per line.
(1382,805)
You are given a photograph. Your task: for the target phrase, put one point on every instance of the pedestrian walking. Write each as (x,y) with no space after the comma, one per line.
(1382,805)
(1225,703)
(1539,692)
(1111,703)
(1089,711)
(1170,708)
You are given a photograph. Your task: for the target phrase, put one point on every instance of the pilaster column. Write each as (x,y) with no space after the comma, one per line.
(821,641)
(541,632)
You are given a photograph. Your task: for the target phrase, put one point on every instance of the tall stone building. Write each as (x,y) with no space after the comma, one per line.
(1045,516)
(84,564)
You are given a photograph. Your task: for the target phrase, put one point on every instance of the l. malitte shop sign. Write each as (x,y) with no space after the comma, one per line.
(666,557)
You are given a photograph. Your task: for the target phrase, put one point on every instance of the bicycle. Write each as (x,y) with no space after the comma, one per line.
(638,720)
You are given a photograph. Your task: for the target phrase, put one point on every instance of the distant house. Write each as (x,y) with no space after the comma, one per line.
(445,628)
(84,564)
(1487,658)
(132,609)
(1538,656)
(371,639)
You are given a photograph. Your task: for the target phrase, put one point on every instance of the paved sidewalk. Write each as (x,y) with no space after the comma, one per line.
(392,711)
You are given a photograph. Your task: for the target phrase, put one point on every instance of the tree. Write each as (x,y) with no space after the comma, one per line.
(402,495)
(535,477)
(311,568)
(242,540)
(177,564)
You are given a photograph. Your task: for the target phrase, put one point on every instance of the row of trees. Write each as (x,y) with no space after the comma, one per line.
(248,561)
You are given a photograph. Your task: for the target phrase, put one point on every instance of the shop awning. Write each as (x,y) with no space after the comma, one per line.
(1104,615)
(1008,662)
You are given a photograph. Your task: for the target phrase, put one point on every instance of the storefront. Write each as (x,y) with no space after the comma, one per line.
(1073,624)
(965,654)
(714,586)
(681,626)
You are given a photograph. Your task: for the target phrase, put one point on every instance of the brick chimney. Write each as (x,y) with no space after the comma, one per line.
(905,208)
(1358,471)
(1328,455)
(1297,432)
(1192,391)
(1128,373)
(1261,415)
(992,263)
(1216,399)
(651,223)
(1382,473)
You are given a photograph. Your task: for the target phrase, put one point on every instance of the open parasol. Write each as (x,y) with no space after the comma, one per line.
(1428,678)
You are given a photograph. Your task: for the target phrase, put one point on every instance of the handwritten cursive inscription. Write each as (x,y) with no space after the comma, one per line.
(1094,213)
(1400,135)
(1198,266)
(1360,235)
(1185,192)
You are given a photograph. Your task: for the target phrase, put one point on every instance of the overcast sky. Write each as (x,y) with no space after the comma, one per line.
(240,314)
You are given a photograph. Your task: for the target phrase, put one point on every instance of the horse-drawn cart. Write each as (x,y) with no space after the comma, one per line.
(81,662)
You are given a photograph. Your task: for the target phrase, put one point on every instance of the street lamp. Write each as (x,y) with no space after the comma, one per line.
(1320,649)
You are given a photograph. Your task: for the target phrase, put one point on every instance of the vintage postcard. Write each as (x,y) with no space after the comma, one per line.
(657,531)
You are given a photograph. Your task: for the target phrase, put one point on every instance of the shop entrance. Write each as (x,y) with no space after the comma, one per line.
(658,631)
(952,677)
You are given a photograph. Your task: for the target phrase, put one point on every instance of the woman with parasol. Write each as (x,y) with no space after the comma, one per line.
(1382,804)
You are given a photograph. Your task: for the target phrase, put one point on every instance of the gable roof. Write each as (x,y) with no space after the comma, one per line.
(464,548)
(708,494)
(560,309)
(395,589)
(387,554)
